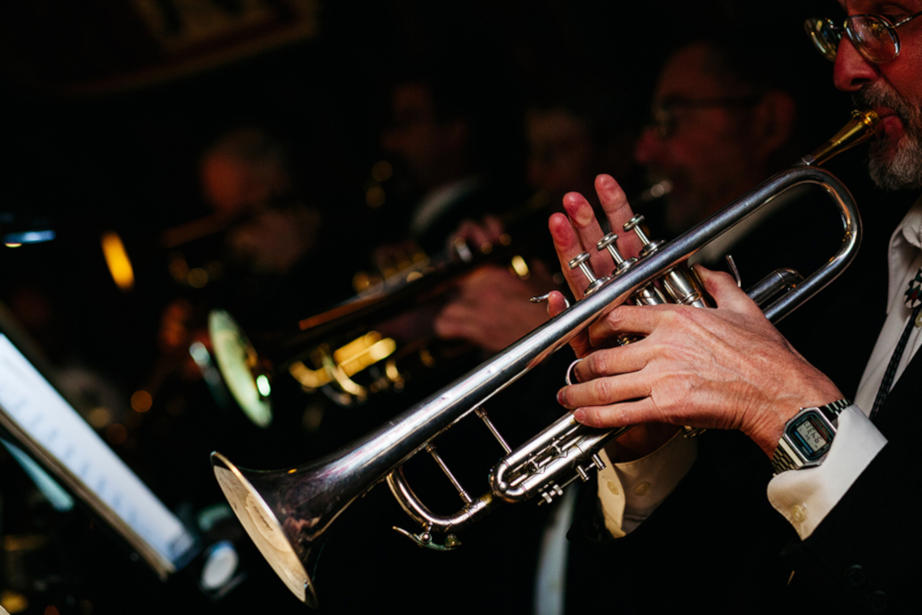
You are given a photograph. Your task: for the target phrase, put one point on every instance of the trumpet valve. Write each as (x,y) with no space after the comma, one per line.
(637,224)
(582,262)
(622,264)
(595,463)
(682,285)
(598,462)
(550,493)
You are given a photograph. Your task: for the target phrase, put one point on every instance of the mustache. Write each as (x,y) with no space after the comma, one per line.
(877,95)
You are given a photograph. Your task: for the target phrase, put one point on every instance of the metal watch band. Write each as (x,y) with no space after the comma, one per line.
(834,409)
(783,459)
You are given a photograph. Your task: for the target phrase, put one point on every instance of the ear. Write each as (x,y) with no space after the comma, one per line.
(773,122)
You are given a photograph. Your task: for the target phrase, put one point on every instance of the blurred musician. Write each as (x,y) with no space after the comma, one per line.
(491,307)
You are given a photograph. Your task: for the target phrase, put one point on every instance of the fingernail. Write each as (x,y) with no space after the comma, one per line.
(579,414)
(561,398)
(584,215)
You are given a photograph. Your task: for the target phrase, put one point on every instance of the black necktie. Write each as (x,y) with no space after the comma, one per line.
(914,302)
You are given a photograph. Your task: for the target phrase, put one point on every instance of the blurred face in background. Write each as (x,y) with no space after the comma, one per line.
(560,151)
(433,149)
(233,185)
(704,137)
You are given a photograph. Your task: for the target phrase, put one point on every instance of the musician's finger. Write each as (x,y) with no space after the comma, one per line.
(627,319)
(611,361)
(587,226)
(623,414)
(725,292)
(618,211)
(567,245)
(493,227)
(475,236)
(603,391)
(455,321)
(557,303)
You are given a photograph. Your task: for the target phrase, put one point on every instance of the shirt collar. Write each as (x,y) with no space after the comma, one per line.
(905,247)
(911,226)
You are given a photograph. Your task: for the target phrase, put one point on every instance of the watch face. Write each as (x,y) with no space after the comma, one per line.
(811,435)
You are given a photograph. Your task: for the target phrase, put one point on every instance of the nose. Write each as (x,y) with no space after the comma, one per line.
(647,146)
(851,70)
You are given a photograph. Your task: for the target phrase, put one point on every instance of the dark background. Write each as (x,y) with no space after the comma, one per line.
(103,129)
(92,144)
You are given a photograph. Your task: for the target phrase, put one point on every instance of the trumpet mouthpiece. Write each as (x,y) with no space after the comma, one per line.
(863,125)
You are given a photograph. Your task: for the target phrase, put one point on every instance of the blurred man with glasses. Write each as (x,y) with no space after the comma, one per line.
(846,466)
(724,116)
(717,128)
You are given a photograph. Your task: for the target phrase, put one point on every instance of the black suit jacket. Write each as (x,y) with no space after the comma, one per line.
(868,551)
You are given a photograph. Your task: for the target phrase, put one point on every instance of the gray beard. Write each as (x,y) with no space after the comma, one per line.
(901,169)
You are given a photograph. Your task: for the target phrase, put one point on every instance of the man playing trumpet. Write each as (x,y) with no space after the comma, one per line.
(840,464)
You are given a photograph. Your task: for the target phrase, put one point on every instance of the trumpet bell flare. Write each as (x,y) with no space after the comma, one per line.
(232,352)
(263,528)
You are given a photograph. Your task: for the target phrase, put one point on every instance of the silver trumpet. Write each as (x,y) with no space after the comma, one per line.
(286,511)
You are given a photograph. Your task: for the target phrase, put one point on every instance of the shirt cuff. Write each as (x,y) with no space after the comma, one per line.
(630,491)
(805,497)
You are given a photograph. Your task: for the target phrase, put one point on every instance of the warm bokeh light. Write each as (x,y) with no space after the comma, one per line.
(519,267)
(117,260)
(141,401)
(99,417)
(382,171)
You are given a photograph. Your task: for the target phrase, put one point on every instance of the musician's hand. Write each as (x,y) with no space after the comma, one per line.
(492,309)
(725,367)
(479,236)
(578,231)
(397,257)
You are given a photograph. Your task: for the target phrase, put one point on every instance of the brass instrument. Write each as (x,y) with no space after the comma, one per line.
(286,511)
(344,351)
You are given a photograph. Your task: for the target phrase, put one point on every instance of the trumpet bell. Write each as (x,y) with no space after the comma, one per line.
(263,525)
(239,365)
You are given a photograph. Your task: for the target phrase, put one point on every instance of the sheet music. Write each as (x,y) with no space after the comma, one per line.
(53,431)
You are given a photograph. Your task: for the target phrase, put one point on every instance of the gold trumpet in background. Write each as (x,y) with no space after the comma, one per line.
(343,352)
(348,351)
(286,511)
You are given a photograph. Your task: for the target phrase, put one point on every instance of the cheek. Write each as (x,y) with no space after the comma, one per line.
(705,152)
(905,73)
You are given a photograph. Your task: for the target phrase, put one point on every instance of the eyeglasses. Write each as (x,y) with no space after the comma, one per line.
(663,114)
(874,36)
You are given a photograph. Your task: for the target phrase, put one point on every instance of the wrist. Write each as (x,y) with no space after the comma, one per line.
(807,437)
(772,417)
